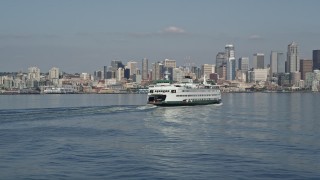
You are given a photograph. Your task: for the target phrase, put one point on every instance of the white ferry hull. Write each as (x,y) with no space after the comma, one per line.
(185,103)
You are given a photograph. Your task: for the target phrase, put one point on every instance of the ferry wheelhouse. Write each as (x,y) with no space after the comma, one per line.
(186,93)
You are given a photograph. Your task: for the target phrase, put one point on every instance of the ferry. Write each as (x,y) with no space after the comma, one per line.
(60,90)
(186,93)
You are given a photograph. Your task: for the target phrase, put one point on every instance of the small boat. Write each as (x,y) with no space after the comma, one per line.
(186,93)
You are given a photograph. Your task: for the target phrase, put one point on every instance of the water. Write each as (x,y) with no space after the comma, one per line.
(249,136)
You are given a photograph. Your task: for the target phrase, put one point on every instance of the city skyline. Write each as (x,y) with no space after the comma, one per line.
(84,36)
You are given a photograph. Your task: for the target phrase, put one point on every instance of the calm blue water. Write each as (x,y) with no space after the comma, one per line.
(250,136)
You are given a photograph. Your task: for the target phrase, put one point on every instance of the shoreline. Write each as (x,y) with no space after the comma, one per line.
(222,92)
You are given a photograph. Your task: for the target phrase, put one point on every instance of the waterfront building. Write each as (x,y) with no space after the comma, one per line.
(34,73)
(312,80)
(110,82)
(250,76)
(19,84)
(7,82)
(54,73)
(2,79)
(145,69)
(305,67)
(293,58)
(284,79)
(214,77)
(241,76)
(295,77)
(316,59)
(258,61)
(85,76)
(231,62)
(207,69)
(308,80)
(260,75)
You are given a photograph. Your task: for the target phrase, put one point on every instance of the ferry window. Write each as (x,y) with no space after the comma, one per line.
(151,91)
(173,91)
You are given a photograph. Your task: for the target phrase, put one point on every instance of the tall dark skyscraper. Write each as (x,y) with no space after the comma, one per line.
(105,70)
(316,59)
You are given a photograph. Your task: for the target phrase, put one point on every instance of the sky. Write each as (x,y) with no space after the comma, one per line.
(85,35)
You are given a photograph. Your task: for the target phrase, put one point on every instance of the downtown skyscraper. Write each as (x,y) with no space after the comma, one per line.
(144,69)
(293,58)
(316,59)
(221,65)
(132,65)
(231,62)
(243,64)
(305,67)
(258,61)
(277,63)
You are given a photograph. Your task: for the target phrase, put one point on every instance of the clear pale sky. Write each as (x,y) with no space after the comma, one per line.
(85,35)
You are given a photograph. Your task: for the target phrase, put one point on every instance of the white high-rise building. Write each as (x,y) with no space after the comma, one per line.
(34,73)
(229,51)
(293,58)
(231,62)
(54,73)
(132,65)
